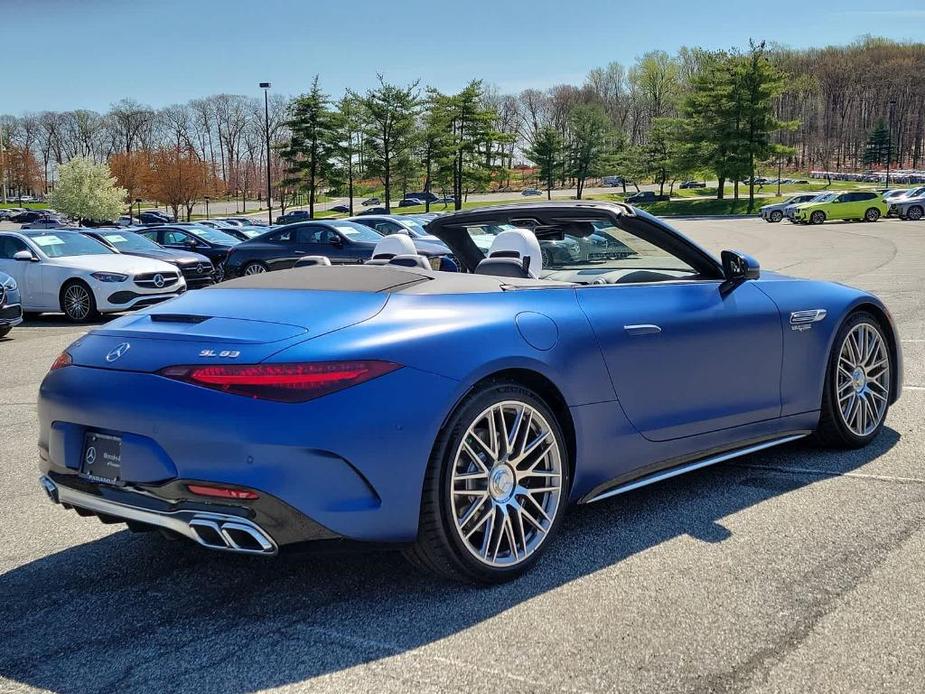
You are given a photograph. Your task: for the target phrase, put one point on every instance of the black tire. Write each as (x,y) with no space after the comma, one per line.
(872,215)
(87,311)
(255,267)
(776,216)
(439,549)
(914,213)
(817,217)
(5,330)
(832,431)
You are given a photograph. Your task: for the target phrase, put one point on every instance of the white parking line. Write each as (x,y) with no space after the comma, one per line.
(913,387)
(829,473)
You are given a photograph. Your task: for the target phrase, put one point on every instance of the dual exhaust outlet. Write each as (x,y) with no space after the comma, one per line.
(219,531)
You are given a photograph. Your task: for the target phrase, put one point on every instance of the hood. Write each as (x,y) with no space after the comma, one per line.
(115,262)
(431,248)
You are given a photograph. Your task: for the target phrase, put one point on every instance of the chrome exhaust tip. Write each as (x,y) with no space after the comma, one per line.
(51,489)
(240,536)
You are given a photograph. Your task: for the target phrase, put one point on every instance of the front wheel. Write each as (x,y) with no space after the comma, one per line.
(495,487)
(78,302)
(5,330)
(776,216)
(817,217)
(858,384)
(872,215)
(914,213)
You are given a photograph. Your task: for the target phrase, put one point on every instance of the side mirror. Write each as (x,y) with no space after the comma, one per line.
(738,266)
(24,256)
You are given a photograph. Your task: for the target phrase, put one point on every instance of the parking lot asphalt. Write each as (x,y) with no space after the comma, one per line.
(796,569)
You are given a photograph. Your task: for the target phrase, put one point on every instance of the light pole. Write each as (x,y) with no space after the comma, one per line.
(889,141)
(207,206)
(265,86)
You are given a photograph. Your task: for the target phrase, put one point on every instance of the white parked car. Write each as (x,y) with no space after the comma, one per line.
(59,270)
(775,212)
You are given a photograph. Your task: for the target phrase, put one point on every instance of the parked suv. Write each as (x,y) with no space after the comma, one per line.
(860,205)
(294,216)
(775,212)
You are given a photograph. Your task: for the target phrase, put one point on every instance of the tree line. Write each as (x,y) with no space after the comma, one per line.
(695,113)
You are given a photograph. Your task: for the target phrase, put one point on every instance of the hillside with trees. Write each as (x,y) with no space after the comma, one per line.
(694,113)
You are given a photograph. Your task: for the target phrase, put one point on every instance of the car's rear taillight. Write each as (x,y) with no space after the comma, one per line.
(64,359)
(281,382)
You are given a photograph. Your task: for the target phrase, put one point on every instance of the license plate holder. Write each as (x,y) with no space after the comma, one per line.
(102,457)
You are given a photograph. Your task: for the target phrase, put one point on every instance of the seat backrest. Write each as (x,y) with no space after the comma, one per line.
(394,244)
(312,261)
(513,253)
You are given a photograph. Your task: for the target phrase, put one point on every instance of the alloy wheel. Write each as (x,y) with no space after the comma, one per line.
(863,379)
(776,216)
(77,302)
(872,215)
(254,269)
(817,217)
(914,213)
(506,484)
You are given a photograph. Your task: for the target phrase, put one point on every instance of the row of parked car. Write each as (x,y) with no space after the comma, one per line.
(87,271)
(860,205)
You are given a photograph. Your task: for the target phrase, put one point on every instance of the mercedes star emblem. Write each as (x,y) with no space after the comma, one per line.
(91,456)
(158,280)
(118,352)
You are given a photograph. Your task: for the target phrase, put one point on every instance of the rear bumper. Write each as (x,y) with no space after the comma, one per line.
(351,463)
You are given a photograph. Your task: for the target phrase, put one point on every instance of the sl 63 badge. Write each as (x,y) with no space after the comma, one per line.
(224,354)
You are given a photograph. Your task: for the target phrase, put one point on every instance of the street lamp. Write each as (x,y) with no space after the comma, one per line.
(265,86)
(207,206)
(889,142)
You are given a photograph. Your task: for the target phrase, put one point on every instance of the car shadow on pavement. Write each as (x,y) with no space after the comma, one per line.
(139,612)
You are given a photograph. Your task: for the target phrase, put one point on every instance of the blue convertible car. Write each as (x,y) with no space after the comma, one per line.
(456,414)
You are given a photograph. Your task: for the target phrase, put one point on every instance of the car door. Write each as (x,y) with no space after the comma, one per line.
(318,239)
(28,274)
(685,357)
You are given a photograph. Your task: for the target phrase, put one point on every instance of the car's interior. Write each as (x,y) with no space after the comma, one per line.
(578,247)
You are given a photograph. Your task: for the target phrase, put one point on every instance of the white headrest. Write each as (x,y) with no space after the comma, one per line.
(524,243)
(396,244)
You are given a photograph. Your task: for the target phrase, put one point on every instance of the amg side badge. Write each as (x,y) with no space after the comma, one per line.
(224,354)
(803,320)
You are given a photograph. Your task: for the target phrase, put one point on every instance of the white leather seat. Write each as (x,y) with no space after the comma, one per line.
(312,261)
(513,253)
(390,246)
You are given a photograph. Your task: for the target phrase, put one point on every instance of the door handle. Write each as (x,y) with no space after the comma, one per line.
(642,329)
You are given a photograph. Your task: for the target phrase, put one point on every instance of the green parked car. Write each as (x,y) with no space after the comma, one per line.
(861,205)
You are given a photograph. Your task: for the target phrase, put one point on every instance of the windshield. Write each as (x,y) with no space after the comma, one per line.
(65,245)
(415,227)
(357,232)
(823,197)
(216,236)
(129,241)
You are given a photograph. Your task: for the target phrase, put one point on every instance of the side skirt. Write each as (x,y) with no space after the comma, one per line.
(668,473)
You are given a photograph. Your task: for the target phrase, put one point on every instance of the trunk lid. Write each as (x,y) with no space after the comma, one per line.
(221,326)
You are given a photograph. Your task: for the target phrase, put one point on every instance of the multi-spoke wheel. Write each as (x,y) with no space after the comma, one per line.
(858,384)
(872,215)
(78,302)
(776,216)
(255,268)
(495,488)
(817,217)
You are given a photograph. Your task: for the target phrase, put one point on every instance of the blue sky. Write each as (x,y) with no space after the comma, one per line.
(90,53)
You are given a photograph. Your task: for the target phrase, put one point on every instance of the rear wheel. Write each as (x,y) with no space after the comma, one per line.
(858,384)
(776,215)
(914,213)
(495,488)
(5,330)
(254,268)
(78,302)
(872,215)
(817,217)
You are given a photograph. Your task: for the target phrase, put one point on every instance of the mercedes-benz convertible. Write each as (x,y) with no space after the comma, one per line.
(456,414)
